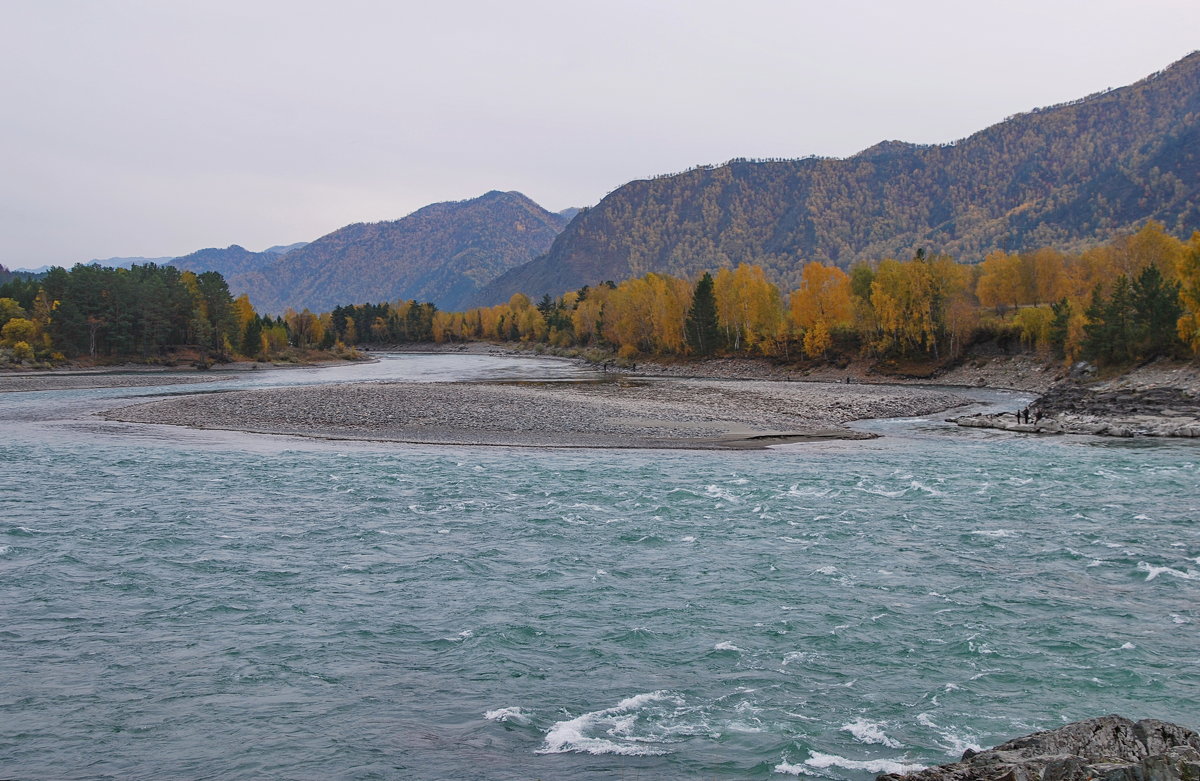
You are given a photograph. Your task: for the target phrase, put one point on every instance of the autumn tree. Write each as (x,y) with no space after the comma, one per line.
(902,298)
(749,308)
(1187,267)
(821,303)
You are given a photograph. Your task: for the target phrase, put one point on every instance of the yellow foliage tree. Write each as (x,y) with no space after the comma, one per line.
(902,295)
(1000,282)
(1187,267)
(823,297)
(243,312)
(749,308)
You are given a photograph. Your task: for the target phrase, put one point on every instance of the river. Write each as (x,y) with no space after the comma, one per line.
(202,604)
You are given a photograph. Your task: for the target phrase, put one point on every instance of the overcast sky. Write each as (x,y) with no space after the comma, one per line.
(152,128)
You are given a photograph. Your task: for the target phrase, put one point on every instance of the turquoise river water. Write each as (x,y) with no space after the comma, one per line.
(188,604)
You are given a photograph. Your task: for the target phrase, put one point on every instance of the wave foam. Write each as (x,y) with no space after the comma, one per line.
(819,760)
(1153,572)
(955,744)
(513,714)
(716,492)
(725,645)
(865,731)
(616,722)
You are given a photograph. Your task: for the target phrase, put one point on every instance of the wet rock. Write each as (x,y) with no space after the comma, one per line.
(1109,748)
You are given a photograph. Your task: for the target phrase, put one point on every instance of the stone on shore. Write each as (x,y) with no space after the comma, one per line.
(1108,748)
(1115,409)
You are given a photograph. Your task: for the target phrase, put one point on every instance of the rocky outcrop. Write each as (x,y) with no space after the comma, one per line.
(1109,748)
(1154,411)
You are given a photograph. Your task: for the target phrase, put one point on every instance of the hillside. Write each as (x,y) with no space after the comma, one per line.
(441,253)
(228,262)
(1067,176)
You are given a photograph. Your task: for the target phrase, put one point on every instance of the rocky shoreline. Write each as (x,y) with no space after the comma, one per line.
(621,413)
(1108,748)
(1154,401)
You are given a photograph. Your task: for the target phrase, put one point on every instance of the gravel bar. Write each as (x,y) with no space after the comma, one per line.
(624,413)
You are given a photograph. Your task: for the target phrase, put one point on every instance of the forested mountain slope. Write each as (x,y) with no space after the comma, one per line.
(227,262)
(442,253)
(1065,176)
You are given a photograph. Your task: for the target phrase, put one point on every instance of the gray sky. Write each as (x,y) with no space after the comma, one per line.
(155,128)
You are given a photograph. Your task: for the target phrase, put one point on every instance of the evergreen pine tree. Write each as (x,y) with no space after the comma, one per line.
(1060,326)
(703,336)
(252,338)
(1156,311)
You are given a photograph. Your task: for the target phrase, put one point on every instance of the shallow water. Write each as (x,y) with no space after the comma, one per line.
(214,605)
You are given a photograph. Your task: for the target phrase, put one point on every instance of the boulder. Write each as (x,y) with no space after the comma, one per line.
(1108,748)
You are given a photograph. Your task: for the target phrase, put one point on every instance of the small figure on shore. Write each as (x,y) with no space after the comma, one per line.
(1027,416)
(1037,416)
(1018,417)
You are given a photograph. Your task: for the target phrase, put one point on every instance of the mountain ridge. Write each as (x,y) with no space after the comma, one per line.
(1068,175)
(441,253)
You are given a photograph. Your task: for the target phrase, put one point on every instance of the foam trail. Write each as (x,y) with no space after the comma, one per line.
(1153,572)
(570,735)
(865,731)
(819,760)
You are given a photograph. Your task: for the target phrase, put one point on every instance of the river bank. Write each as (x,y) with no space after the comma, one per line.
(140,375)
(1161,399)
(621,413)
(1016,372)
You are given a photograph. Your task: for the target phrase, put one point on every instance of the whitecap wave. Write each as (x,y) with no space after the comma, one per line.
(993,533)
(514,715)
(954,743)
(819,760)
(807,492)
(866,731)
(918,485)
(725,645)
(616,723)
(717,492)
(1153,572)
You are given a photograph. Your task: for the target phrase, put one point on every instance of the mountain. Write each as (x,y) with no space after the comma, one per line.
(283,249)
(229,262)
(441,253)
(125,262)
(105,262)
(1069,176)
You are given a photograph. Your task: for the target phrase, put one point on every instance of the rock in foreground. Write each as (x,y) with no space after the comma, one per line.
(1109,748)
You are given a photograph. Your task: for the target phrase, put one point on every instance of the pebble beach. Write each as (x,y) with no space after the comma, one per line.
(621,413)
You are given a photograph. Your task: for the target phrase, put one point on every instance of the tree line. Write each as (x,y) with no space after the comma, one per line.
(1134,298)
(146,312)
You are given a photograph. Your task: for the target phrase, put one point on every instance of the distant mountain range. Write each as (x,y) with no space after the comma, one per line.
(1067,176)
(441,253)
(106,262)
